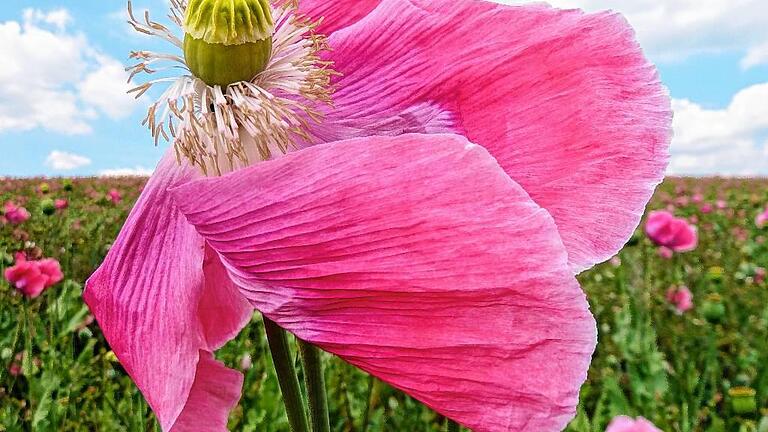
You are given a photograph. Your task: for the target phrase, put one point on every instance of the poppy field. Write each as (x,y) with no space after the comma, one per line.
(682,318)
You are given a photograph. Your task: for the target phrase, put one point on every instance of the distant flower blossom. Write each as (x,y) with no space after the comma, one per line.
(61,204)
(15,214)
(706,208)
(114,195)
(628,424)
(762,218)
(722,204)
(681,298)
(760,275)
(31,278)
(697,198)
(664,229)
(665,252)
(682,201)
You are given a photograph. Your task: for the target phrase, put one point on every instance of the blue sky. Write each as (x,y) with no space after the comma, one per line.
(63,111)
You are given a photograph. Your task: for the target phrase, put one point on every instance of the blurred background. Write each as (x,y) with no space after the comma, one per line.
(683,327)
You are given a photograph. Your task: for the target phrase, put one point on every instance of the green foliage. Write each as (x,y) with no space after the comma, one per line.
(682,372)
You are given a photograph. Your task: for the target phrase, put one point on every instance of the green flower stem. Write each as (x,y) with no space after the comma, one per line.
(370,401)
(286,376)
(315,382)
(451,426)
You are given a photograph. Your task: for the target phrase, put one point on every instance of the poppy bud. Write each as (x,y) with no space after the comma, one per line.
(48,206)
(743,400)
(713,308)
(227,41)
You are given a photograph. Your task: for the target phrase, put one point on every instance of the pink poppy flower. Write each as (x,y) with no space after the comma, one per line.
(628,424)
(681,298)
(697,198)
(14,214)
(762,219)
(721,204)
(61,204)
(427,230)
(31,278)
(14,369)
(665,252)
(706,208)
(760,274)
(664,229)
(114,195)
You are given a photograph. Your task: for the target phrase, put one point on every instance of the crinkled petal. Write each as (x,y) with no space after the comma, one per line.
(337,14)
(565,101)
(417,259)
(157,299)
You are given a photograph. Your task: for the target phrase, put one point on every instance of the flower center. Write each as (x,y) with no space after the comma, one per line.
(257,86)
(227,41)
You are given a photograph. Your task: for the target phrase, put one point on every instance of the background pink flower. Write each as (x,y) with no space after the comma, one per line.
(114,195)
(665,252)
(61,204)
(15,214)
(664,229)
(681,298)
(31,278)
(762,218)
(628,424)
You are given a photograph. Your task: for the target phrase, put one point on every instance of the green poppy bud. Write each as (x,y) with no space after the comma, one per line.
(743,400)
(48,206)
(227,41)
(713,308)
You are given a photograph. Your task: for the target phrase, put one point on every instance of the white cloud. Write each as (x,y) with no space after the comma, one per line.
(106,89)
(63,161)
(671,30)
(51,75)
(722,140)
(127,172)
(756,55)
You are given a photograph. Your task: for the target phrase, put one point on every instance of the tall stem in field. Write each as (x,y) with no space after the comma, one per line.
(286,376)
(451,426)
(315,382)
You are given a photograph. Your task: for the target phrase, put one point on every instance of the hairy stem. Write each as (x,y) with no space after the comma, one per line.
(286,376)
(315,383)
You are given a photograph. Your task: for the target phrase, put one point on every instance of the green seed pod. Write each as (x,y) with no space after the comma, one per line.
(227,41)
(222,65)
(48,206)
(44,188)
(67,185)
(743,400)
(713,308)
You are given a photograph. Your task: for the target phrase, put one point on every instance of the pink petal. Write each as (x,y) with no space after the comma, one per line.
(337,14)
(153,297)
(417,259)
(215,387)
(564,100)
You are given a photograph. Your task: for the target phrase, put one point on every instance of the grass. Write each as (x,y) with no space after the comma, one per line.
(58,374)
